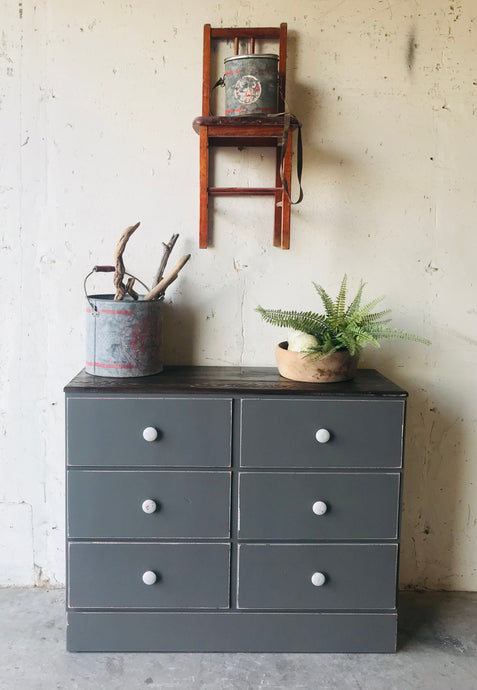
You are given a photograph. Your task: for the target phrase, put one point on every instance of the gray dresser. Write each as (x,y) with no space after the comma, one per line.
(229,509)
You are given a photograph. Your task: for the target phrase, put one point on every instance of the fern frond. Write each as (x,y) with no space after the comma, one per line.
(328,344)
(360,337)
(307,322)
(327,301)
(348,342)
(366,338)
(367,308)
(340,303)
(355,304)
(396,333)
(319,354)
(375,317)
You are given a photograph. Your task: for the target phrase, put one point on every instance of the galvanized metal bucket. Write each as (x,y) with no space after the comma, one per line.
(123,338)
(251,85)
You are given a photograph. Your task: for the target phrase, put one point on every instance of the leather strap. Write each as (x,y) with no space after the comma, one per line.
(299,157)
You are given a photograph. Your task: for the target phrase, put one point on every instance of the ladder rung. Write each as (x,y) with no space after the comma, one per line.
(244,191)
(246,32)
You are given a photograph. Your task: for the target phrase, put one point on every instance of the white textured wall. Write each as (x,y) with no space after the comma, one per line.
(96,105)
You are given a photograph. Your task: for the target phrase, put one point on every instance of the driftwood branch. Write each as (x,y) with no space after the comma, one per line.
(119,264)
(130,288)
(162,266)
(160,288)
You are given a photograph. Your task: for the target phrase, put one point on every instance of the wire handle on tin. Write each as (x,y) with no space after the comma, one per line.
(107,269)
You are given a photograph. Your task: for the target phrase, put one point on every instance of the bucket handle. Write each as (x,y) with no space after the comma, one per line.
(106,269)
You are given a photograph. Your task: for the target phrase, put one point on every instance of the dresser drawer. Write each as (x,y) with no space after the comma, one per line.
(348,506)
(109,575)
(109,431)
(279,576)
(190,505)
(282,433)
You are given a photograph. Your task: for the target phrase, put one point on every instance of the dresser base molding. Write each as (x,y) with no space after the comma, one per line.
(231,632)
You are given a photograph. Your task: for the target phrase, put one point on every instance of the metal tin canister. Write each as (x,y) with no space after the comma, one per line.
(123,338)
(251,85)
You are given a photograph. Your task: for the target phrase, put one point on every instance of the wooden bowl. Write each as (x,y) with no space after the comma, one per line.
(340,366)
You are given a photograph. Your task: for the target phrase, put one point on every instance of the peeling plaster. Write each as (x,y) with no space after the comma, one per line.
(41,579)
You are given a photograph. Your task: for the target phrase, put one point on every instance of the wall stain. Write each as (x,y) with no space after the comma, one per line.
(411,50)
(465,338)
(41,580)
(430,268)
(455,11)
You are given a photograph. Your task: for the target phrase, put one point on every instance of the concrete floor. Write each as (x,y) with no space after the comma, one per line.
(437,651)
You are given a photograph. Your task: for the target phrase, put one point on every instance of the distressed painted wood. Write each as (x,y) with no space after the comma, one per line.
(235,380)
(293,548)
(115,499)
(231,632)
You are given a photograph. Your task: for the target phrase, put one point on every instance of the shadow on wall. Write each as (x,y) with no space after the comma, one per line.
(308,104)
(432,491)
(179,331)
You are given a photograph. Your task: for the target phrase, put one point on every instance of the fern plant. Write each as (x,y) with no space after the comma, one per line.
(340,328)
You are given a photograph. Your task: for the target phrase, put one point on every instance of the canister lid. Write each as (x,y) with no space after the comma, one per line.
(255,56)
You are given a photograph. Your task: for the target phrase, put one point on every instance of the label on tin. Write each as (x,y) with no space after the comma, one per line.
(247,89)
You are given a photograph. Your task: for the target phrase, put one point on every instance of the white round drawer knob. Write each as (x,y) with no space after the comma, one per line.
(323,435)
(149,506)
(149,434)
(318,579)
(149,577)
(319,507)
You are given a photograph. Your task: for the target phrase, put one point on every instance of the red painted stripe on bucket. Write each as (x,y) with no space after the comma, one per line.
(123,312)
(240,110)
(110,366)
